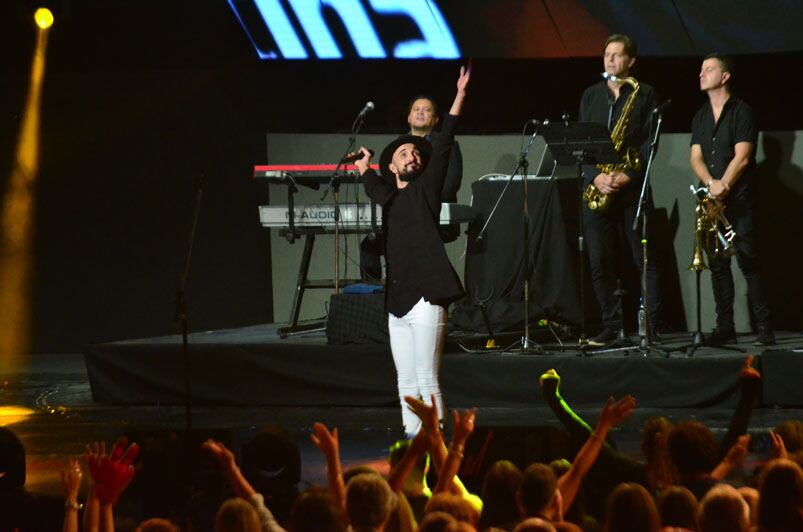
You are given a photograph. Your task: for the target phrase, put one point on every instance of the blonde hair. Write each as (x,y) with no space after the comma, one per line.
(236,515)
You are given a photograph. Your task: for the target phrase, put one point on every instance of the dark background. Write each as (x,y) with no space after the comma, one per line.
(143,97)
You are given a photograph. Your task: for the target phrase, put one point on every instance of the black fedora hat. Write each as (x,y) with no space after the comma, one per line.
(423,145)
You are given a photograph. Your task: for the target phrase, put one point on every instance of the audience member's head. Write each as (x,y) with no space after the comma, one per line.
(454,505)
(631,509)
(693,449)
(651,431)
(537,491)
(724,510)
(314,511)
(791,432)
(566,526)
(534,524)
(236,515)
(369,501)
(271,460)
(12,461)
(499,487)
(352,472)
(750,496)
(677,507)
(157,525)
(437,521)
(780,501)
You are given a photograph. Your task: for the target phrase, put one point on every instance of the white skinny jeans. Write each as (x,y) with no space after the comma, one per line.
(416,341)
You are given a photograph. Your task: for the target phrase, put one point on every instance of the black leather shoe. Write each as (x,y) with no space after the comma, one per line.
(764,336)
(606,337)
(721,336)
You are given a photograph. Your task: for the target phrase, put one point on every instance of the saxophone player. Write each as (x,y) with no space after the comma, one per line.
(604,103)
(723,140)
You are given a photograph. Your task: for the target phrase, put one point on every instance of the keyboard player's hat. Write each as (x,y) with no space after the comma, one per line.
(423,145)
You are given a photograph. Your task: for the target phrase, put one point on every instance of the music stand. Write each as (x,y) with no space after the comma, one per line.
(578,144)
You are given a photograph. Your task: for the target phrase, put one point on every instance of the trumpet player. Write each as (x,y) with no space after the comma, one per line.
(723,141)
(607,102)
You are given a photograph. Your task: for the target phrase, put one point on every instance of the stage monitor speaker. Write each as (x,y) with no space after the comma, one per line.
(521,445)
(175,477)
(357,319)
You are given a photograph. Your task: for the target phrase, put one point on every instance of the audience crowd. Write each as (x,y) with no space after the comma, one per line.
(688,481)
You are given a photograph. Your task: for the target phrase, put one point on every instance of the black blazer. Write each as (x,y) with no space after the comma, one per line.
(417,264)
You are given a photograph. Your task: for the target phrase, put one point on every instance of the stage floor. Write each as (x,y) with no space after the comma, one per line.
(253,366)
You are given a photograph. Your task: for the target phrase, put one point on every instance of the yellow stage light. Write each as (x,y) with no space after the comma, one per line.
(13,414)
(43,18)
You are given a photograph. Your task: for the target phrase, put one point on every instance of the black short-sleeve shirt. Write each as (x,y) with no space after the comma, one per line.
(717,141)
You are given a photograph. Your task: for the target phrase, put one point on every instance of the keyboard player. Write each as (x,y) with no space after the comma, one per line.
(421,281)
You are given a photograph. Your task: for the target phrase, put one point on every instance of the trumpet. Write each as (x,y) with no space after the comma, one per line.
(710,225)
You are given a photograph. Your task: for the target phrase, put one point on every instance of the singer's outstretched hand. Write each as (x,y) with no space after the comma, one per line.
(462,86)
(364,162)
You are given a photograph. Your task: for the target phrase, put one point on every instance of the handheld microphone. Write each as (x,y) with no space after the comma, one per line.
(355,156)
(660,109)
(365,110)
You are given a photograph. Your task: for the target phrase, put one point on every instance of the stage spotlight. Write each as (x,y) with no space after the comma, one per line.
(13,414)
(43,18)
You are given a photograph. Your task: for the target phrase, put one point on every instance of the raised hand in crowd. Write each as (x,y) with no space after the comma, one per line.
(71,478)
(463,427)
(113,473)
(777,447)
(327,441)
(613,413)
(110,476)
(734,459)
(240,485)
(748,371)
(224,456)
(430,421)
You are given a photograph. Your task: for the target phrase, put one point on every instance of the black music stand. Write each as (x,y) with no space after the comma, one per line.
(578,144)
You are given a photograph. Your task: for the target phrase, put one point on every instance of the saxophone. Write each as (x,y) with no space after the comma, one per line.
(596,200)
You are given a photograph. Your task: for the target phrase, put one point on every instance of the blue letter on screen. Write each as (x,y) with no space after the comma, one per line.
(355,20)
(437,42)
(282,30)
(436,39)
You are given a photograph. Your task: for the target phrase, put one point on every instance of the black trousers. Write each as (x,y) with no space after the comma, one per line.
(739,212)
(601,232)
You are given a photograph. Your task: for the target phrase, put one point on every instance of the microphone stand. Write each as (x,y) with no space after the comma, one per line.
(181,305)
(334,183)
(526,343)
(645,325)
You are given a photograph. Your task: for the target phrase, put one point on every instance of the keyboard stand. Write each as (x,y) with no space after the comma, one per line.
(304,283)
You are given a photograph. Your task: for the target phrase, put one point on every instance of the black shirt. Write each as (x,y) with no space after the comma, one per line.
(417,263)
(598,106)
(717,141)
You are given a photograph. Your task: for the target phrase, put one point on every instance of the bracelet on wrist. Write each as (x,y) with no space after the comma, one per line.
(72,504)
